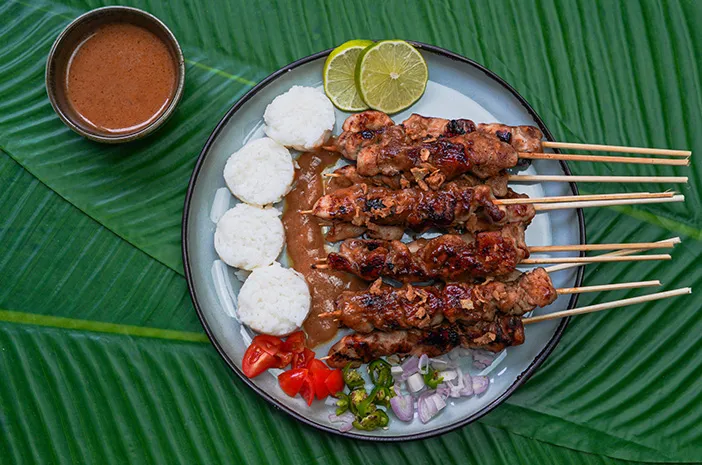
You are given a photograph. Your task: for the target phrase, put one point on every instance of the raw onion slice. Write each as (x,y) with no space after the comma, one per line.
(480,384)
(428,405)
(415,383)
(482,359)
(403,407)
(409,368)
(346,419)
(423,365)
(467,389)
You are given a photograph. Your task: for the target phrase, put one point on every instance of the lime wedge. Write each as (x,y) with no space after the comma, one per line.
(338,75)
(391,75)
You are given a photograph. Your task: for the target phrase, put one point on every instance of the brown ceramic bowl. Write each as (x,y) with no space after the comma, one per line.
(57,63)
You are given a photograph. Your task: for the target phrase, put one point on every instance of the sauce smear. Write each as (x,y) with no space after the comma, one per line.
(120,78)
(305,243)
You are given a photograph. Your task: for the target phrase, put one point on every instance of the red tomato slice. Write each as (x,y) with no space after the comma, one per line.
(307,390)
(302,359)
(256,361)
(283,359)
(319,373)
(296,342)
(270,344)
(291,381)
(335,382)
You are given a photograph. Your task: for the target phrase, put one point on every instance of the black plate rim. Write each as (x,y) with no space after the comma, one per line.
(521,379)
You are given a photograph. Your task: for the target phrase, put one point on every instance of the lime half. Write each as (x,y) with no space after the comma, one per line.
(391,75)
(339,72)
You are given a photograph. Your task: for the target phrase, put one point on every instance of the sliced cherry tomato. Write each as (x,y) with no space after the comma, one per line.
(291,381)
(256,361)
(270,344)
(335,382)
(296,342)
(302,359)
(307,390)
(319,373)
(283,359)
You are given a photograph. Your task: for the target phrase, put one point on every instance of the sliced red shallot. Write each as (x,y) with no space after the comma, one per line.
(346,419)
(409,368)
(482,359)
(467,389)
(480,384)
(403,407)
(428,405)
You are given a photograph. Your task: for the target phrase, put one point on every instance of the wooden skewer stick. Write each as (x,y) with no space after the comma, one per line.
(618,253)
(604,158)
(608,287)
(615,148)
(306,212)
(608,305)
(636,246)
(596,259)
(331,175)
(605,203)
(582,198)
(565,178)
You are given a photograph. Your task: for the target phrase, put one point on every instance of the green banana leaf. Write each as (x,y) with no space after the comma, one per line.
(103,358)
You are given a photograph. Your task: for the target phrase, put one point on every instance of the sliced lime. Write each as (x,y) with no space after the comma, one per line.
(339,75)
(391,75)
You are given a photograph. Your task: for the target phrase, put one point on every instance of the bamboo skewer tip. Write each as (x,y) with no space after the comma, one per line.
(616,148)
(608,305)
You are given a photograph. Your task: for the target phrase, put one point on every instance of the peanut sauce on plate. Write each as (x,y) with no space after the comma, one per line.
(305,244)
(120,78)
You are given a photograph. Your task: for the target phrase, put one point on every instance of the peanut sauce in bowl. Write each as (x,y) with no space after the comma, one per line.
(115,74)
(305,245)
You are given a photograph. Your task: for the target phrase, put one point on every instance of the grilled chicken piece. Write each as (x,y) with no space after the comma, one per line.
(477,153)
(447,257)
(419,128)
(365,129)
(455,206)
(386,308)
(495,335)
(522,138)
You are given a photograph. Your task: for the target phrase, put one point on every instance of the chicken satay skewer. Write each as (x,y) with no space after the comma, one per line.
(550,260)
(503,332)
(450,256)
(454,146)
(561,291)
(531,178)
(637,246)
(546,204)
(582,201)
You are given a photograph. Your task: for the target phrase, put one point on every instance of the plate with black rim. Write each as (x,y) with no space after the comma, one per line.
(458,88)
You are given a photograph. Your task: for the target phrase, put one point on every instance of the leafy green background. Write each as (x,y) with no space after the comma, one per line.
(103,359)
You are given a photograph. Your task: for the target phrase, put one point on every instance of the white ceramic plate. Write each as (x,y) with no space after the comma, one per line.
(458,88)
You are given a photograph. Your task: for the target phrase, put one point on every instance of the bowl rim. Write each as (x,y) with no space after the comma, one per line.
(127,137)
(521,379)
